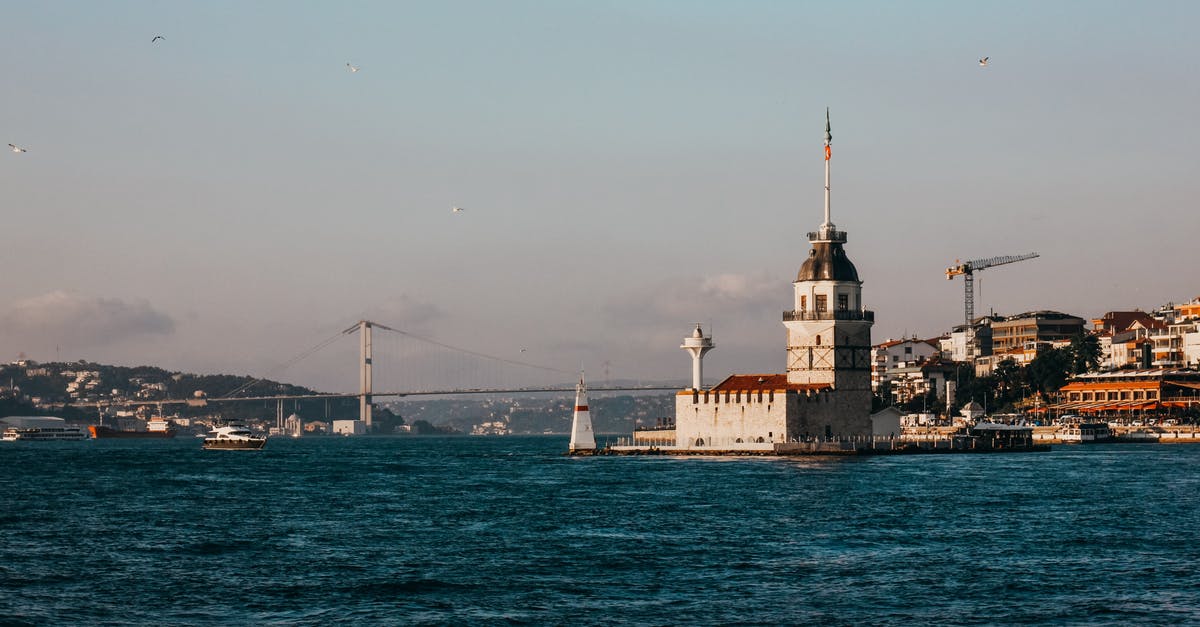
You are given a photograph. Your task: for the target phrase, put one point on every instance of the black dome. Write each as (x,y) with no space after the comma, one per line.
(827,261)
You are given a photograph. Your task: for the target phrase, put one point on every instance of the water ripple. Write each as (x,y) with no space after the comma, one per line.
(507,530)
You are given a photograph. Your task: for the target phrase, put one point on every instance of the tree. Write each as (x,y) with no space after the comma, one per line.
(1085,353)
(1009,380)
(1048,371)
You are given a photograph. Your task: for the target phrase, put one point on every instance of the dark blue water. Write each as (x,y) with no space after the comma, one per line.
(506,530)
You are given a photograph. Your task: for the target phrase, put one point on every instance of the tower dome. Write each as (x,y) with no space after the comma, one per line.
(827,261)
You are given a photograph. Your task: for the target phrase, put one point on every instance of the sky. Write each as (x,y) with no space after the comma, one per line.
(226,198)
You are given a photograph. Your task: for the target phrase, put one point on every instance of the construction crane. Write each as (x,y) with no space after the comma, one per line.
(967,270)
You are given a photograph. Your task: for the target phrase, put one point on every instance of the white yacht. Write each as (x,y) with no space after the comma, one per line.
(234,437)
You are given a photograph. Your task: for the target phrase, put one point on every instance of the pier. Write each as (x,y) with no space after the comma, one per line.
(994,440)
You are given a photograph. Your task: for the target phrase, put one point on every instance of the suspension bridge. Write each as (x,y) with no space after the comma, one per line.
(440,362)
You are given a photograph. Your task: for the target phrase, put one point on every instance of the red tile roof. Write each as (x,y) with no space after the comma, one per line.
(1118,321)
(736,382)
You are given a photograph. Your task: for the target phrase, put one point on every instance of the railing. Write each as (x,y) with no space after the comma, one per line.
(829,235)
(815,444)
(848,314)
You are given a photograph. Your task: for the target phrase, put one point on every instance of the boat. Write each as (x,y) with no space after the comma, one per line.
(233,438)
(38,428)
(13,434)
(155,428)
(1085,432)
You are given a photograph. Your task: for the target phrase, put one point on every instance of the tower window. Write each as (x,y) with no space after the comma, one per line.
(820,302)
(818,340)
(803,302)
(843,302)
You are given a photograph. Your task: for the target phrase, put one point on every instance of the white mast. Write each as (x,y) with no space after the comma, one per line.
(582,437)
(828,225)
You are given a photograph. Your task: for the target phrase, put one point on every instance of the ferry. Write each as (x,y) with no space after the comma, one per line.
(13,434)
(233,438)
(38,428)
(1085,432)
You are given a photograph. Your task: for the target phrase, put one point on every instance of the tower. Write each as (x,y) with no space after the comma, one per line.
(582,437)
(698,344)
(829,331)
(364,376)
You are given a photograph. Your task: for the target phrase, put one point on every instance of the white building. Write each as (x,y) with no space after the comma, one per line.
(349,427)
(888,357)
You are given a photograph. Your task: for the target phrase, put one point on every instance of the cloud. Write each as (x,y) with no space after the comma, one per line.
(726,297)
(77,320)
(644,327)
(408,314)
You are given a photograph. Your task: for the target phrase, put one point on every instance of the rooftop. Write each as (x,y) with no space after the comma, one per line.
(736,382)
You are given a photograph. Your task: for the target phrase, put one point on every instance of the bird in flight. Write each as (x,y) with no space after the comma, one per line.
(454,209)
(983,62)
(16,148)
(352,68)
(157,37)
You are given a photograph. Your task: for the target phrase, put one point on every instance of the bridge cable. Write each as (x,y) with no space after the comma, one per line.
(475,353)
(284,366)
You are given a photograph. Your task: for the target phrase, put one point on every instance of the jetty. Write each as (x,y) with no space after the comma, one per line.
(979,439)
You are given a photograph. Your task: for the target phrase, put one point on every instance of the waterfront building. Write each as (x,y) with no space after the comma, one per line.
(891,355)
(1021,337)
(349,427)
(917,380)
(966,342)
(826,389)
(1167,338)
(1023,331)
(1130,391)
(1117,321)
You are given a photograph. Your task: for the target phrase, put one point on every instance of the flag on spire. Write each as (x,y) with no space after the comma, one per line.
(828,135)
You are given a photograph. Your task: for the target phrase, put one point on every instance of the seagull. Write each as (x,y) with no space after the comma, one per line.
(983,62)
(452,209)
(352,68)
(16,148)
(157,37)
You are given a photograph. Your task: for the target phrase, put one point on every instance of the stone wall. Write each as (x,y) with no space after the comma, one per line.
(715,419)
(720,418)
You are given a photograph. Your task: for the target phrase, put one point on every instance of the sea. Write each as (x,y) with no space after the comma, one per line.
(508,530)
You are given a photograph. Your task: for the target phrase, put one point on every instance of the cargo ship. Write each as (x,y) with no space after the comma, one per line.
(155,428)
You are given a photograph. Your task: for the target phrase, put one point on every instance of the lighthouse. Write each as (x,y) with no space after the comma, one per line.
(698,345)
(582,437)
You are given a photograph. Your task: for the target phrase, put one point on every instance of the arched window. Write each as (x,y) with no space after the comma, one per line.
(818,340)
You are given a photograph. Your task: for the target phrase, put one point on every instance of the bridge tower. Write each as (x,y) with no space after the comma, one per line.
(365,378)
(364,374)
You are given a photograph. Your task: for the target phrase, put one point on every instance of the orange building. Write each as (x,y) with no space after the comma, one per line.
(1129,391)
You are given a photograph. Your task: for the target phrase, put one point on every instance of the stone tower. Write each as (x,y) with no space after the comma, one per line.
(829,331)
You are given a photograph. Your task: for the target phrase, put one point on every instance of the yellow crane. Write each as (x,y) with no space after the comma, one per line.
(967,270)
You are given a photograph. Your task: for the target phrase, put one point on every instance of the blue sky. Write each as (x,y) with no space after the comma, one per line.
(225,198)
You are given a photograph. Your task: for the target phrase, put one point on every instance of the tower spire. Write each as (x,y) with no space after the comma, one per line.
(828,224)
